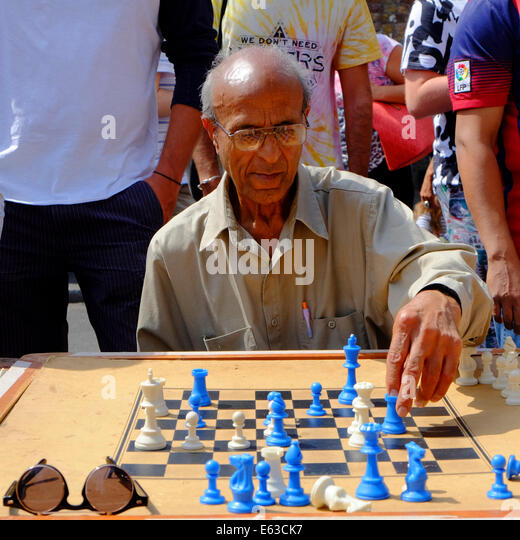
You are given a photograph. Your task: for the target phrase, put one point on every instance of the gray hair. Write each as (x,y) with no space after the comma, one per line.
(286,62)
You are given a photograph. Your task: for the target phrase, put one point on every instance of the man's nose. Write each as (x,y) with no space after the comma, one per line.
(270,149)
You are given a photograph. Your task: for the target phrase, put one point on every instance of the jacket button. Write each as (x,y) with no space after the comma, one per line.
(332,324)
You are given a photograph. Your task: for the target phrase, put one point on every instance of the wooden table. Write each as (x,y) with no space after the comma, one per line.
(81,408)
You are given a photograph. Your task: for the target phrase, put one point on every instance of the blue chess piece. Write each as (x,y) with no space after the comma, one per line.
(241,484)
(294,495)
(513,467)
(194,402)
(499,489)
(348,394)
(372,486)
(270,398)
(393,423)
(416,478)
(212,495)
(278,436)
(199,386)
(262,496)
(316,408)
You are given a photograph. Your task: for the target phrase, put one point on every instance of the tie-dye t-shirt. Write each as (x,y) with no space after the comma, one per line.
(324,36)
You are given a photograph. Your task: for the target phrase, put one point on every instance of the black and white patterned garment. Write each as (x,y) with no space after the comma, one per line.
(427,43)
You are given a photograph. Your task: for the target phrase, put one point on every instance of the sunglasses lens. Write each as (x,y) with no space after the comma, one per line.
(41,489)
(109,489)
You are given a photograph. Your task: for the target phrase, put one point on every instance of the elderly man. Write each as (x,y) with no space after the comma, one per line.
(285,256)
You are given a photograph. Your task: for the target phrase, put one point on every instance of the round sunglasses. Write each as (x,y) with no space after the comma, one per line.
(108,489)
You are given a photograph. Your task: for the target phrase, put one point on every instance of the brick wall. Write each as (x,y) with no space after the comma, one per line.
(390,16)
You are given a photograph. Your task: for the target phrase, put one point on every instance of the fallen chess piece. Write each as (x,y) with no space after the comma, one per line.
(335,498)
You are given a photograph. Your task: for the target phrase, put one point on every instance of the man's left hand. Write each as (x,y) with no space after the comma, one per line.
(425,347)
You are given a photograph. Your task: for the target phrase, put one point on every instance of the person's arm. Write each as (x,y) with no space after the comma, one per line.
(392,93)
(425,347)
(357,99)
(164,98)
(190,45)
(206,161)
(427,93)
(476,135)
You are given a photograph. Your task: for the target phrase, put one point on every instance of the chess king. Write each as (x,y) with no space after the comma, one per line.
(375,273)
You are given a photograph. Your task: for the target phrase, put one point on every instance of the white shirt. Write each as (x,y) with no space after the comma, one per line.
(78,109)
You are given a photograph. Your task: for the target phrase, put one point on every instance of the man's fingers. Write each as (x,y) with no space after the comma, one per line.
(395,360)
(430,377)
(411,375)
(448,373)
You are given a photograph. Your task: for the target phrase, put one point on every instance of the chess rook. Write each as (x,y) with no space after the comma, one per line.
(199,386)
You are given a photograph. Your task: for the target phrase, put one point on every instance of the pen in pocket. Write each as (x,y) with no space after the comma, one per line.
(307,316)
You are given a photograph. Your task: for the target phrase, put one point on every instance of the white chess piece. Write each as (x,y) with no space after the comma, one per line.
(513,394)
(335,498)
(238,442)
(269,429)
(509,345)
(364,391)
(362,412)
(153,394)
(275,483)
(486,377)
(150,437)
(467,366)
(501,380)
(192,441)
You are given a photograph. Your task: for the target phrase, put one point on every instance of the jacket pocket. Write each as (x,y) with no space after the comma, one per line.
(238,340)
(333,332)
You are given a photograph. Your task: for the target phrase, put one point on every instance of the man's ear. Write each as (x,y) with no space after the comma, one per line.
(210,128)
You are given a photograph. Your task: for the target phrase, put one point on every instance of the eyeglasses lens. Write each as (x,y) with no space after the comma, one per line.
(109,489)
(41,489)
(286,135)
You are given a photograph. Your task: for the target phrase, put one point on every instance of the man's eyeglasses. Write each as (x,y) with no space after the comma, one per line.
(249,140)
(108,489)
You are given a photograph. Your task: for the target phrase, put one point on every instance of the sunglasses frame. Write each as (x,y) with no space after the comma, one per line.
(139,496)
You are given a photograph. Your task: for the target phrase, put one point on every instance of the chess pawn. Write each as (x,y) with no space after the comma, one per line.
(238,442)
(150,437)
(501,380)
(513,394)
(192,441)
(275,483)
(153,394)
(486,377)
(335,498)
(467,366)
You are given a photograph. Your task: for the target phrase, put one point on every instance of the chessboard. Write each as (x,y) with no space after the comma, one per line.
(80,408)
(324,441)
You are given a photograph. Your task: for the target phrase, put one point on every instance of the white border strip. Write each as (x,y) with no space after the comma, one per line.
(13,374)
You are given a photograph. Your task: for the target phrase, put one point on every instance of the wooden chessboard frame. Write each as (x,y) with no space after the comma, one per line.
(60,361)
